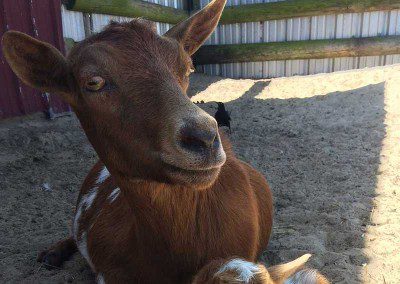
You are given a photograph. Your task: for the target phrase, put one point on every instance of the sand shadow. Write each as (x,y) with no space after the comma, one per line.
(321,156)
(254,90)
(196,86)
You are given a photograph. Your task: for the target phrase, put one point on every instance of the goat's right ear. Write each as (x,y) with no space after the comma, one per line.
(194,31)
(37,63)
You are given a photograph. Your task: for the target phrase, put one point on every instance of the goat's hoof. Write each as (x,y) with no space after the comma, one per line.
(50,259)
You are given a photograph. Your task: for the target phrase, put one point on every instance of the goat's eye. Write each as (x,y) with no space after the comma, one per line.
(95,84)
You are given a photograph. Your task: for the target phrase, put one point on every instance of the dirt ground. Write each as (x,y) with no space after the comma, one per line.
(328,144)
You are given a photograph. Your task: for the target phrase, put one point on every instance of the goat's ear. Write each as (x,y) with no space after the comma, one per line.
(292,272)
(280,273)
(192,32)
(37,64)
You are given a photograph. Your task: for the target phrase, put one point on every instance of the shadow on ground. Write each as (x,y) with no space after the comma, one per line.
(321,157)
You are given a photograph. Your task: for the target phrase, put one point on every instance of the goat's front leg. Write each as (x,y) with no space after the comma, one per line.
(58,253)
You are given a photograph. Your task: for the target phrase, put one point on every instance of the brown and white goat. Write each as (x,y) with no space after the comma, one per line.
(168,197)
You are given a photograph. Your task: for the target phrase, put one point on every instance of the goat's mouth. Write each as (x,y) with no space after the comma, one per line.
(202,172)
(200,178)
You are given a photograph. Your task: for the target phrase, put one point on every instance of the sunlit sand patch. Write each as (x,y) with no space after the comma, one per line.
(382,239)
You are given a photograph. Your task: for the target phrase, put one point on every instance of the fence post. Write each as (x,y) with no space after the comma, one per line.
(87,24)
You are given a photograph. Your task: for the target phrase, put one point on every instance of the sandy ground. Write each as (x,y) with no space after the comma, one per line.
(328,144)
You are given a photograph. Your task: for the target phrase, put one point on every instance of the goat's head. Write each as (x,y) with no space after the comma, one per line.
(127,86)
(237,271)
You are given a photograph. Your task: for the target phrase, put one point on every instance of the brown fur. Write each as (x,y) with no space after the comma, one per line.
(178,209)
(57,254)
(174,230)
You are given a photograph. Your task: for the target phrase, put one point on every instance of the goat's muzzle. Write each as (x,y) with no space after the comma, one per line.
(197,155)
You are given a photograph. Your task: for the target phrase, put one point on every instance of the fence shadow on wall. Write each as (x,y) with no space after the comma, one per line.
(321,157)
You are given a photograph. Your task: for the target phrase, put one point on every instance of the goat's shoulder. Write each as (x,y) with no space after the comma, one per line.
(234,177)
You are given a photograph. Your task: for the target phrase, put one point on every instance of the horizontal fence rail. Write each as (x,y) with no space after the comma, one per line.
(301,8)
(292,50)
(316,49)
(232,14)
(126,8)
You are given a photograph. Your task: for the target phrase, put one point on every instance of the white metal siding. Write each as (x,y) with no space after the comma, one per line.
(348,25)
(72,24)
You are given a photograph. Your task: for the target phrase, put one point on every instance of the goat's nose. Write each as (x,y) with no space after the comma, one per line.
(198,138)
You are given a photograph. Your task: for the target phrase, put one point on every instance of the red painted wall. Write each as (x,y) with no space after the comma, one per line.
(42,20)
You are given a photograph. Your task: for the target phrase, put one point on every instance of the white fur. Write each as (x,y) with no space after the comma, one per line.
(246,269)
(100,279)
(307,276)
(104,174)
(85,203)
(113,195)
(82,246)
(87,200)
(75,226)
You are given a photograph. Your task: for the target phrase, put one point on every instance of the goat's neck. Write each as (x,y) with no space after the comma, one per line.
(143,193)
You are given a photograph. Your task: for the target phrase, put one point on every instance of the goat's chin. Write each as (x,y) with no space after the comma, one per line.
(196,179)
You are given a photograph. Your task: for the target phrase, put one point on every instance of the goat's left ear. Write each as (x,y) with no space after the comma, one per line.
(193,32)
(36,63)
(291,272)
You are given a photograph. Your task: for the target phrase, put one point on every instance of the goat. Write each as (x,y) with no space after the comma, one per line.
(168,196)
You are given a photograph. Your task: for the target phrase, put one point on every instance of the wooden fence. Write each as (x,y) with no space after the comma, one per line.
(272,39)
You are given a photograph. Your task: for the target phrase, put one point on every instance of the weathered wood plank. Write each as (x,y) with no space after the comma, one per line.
(302,8)
(129,8)
(233,14)
(313,49)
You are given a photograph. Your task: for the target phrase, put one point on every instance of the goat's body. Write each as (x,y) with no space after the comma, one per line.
(178,206)
(165,234)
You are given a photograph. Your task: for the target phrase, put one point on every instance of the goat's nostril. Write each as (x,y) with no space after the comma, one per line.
(215,143)
(197,139)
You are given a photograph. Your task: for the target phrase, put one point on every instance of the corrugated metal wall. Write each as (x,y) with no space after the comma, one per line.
(349,25)
(305,28)
(31,17)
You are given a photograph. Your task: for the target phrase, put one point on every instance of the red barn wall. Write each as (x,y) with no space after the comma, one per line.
(42,20)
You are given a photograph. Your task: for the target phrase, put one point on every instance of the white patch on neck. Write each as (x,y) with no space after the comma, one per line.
(85,203)
(113,195)
(83,249)
(104,174)
(87,200)
(306,276)
(246,269)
